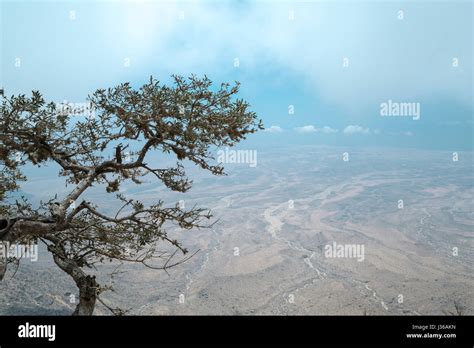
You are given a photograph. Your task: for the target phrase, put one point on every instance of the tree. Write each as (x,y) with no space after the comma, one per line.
(187,120)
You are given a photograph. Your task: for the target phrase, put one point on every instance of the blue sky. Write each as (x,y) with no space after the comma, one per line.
(289,54)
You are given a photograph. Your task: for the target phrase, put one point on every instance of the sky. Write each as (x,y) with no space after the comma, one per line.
(316,72)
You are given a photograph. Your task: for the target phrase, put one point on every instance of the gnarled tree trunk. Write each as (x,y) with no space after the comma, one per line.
(12,230)
(87,285)
(3,259)
(87,295)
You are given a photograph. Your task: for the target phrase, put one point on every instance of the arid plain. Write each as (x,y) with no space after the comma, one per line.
(412,211)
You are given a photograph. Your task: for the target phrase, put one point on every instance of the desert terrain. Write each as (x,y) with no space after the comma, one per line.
(265,255)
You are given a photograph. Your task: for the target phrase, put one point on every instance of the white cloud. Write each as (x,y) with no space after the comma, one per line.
(273,129)
(408,134)
(157,41)
(306,129)
(312,129)
(354,129)
(327,130)
(267,36)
